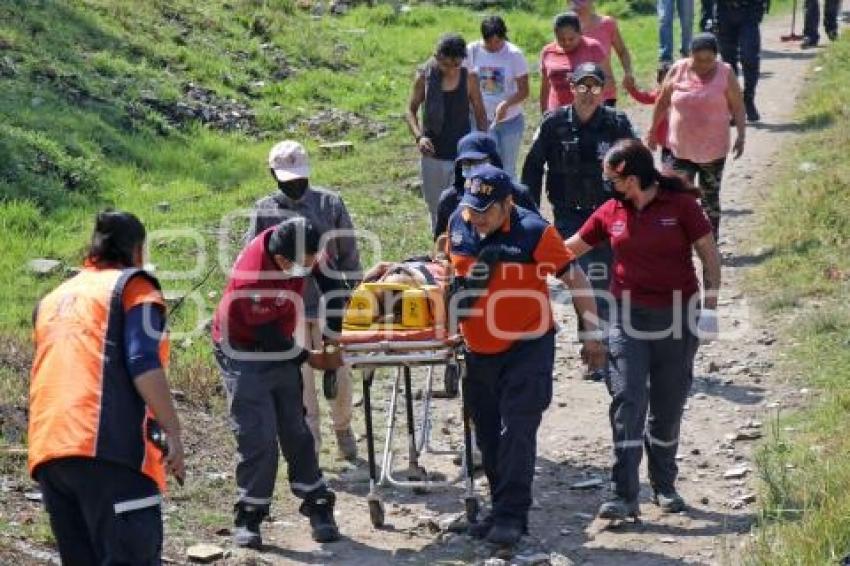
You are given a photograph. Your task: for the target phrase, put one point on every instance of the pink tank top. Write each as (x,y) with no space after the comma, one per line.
(604,32)
(699,114)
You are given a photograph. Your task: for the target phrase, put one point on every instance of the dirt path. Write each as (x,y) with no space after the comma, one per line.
(734,395)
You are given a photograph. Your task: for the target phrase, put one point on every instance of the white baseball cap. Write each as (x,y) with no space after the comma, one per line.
(288,160)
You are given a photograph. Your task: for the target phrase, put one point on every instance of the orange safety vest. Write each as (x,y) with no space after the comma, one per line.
(82,399)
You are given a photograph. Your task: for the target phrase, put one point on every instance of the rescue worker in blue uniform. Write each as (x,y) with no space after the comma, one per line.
(501,255)
(473,150)
(570,146)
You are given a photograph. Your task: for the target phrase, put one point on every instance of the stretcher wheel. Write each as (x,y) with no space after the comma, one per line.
(451,380)
(329,385)
(471,509)
(376,512)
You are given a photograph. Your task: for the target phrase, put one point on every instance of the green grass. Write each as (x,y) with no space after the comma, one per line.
(76,132)
(805,468)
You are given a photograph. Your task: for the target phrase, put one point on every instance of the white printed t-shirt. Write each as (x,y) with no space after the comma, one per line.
(497,75)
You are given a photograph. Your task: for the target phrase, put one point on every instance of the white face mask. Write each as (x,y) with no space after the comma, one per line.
(296,271)
(469,170)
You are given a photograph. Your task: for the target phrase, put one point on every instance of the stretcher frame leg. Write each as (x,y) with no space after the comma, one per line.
(415,471)
(417,477)
(376,507)
(386,460)
(470,501)
(417,444)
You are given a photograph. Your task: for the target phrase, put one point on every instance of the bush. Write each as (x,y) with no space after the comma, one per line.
(38,169)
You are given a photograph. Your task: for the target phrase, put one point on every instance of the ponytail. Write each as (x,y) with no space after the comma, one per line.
(116,237)
(676,184)
(631,157)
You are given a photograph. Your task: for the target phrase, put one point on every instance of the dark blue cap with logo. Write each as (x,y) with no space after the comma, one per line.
(477,146)
(488,185)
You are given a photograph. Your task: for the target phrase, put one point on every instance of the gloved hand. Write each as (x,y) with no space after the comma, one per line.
(707,326)
(490,254)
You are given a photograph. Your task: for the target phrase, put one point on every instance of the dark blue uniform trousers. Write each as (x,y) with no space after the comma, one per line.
(596,263)
(102,513)
(651,370)
(267,412)
(830,18)
(506,395)
(740,41)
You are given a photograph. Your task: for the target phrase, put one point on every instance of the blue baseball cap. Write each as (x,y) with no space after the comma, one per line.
(476,146)
(487,185)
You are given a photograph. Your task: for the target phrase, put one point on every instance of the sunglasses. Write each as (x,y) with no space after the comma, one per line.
(584,89)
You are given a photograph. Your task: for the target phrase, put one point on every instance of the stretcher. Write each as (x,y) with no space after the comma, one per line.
(414,335)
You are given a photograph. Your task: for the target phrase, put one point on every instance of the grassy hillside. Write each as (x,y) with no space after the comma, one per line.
(806,467)
(167,109)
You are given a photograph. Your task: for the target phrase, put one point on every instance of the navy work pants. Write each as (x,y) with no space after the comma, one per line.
(102,513)
(830,18)
(264,399)
(596,263)
(506,395)
(740,42)
(652,360)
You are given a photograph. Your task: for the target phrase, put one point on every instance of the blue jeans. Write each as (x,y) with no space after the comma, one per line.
(508,136)
(666,11)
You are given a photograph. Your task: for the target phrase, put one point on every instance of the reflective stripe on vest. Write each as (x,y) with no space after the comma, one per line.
(82,400)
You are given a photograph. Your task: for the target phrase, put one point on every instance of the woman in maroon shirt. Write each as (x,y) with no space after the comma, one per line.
(653,223)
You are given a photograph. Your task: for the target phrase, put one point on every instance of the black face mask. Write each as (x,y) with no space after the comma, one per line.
(295,188)
(612,192)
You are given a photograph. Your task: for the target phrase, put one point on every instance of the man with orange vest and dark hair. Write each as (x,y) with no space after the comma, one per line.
(98,381)
(502,255)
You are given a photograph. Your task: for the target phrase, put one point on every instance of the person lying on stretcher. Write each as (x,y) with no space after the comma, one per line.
(400,295)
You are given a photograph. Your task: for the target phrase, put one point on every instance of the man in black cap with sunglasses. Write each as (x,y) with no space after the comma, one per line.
(571,144)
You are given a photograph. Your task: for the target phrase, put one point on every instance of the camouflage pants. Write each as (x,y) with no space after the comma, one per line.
(708,177)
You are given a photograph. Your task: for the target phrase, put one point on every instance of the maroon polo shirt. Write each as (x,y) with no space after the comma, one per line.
(256,295)
(652,247)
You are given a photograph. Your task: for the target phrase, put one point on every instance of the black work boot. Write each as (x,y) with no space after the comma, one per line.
(320,510)
(618,508)
(750,106)
(482,528)
(505,533)
(247,519)
(669,501)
